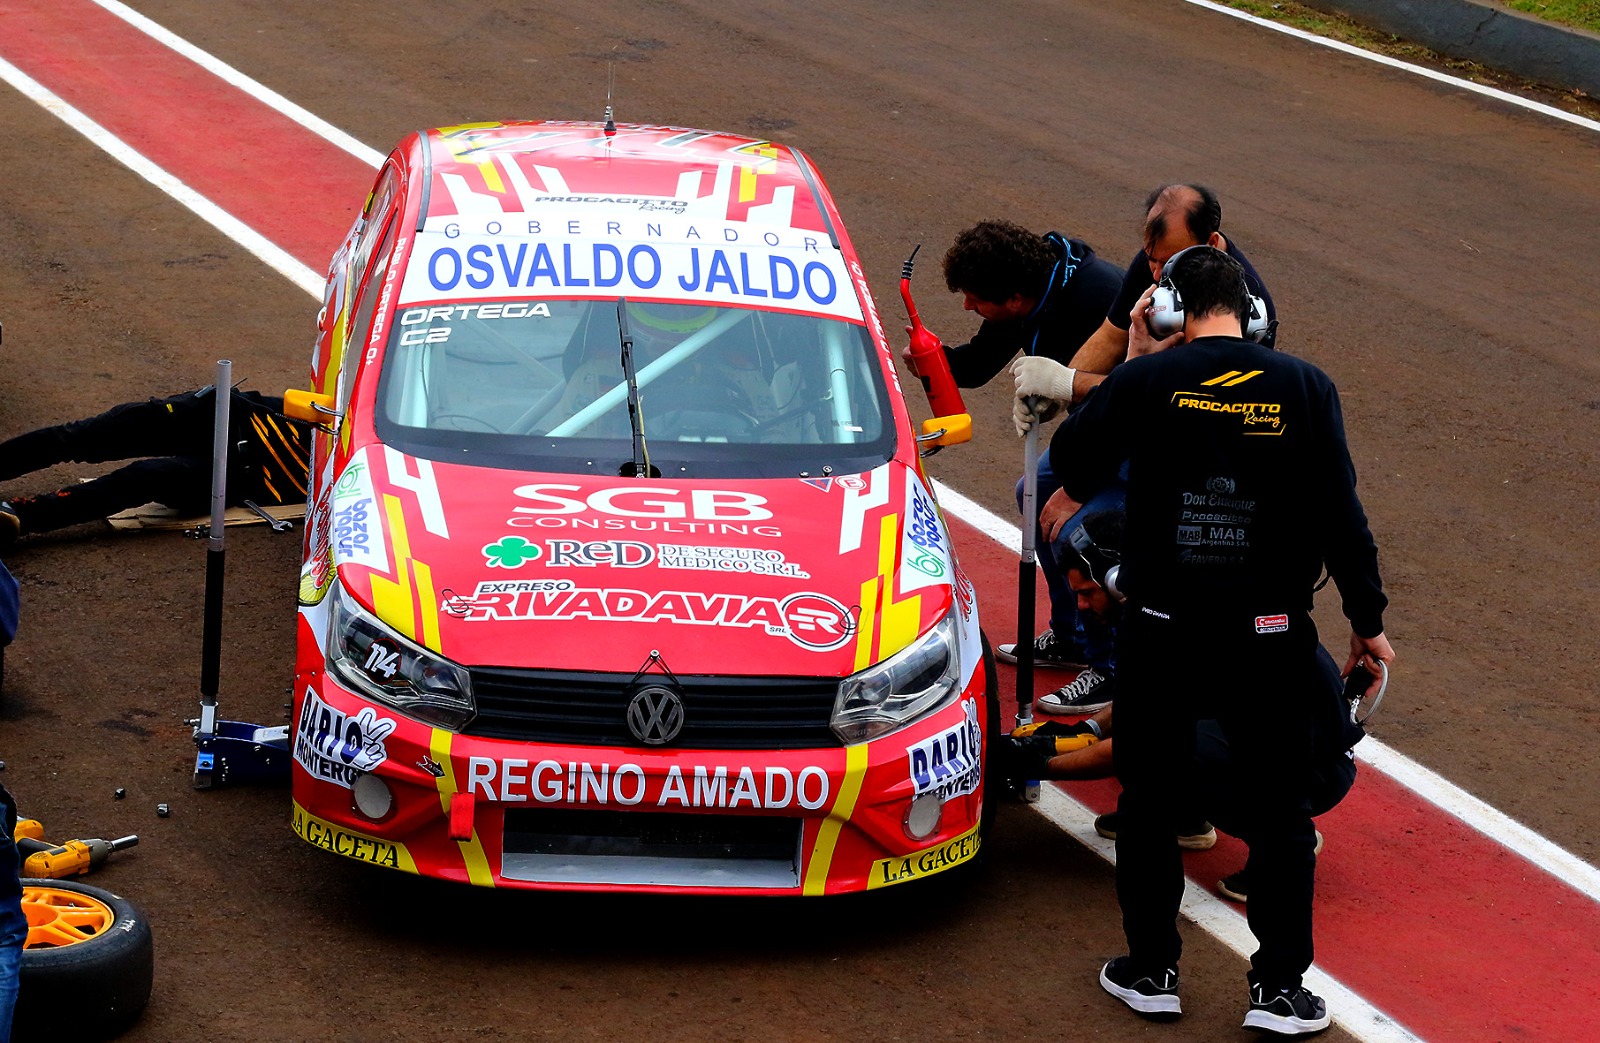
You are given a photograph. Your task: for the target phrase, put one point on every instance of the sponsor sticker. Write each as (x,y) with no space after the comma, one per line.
(1272,624)
(808,619)
(316,575)
(514,780)
(510,552)
(926,862)
(949,763)
(357,534)
(335,747)
(476,266)
(348,842)
(925,553)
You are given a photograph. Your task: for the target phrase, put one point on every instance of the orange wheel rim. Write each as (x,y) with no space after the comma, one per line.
(58,917)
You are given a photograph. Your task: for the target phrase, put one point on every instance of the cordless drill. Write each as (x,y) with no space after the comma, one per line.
(47,861)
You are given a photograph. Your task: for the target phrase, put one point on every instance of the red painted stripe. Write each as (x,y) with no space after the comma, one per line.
(1451,934)
(285,182)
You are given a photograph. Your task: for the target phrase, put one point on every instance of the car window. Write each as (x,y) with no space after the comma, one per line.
(366,304)
(719,387)
(375,218)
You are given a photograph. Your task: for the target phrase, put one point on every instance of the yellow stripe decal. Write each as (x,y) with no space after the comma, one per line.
(1247,376)
(901,619)
(866,625)
(1218,380)
(855,769)
(472,854)
(429,606)
(391,599)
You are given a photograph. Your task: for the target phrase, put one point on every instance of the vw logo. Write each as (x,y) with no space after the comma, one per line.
(655,716)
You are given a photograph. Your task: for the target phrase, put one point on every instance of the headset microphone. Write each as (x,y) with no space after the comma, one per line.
(1104,566)
(1166,315)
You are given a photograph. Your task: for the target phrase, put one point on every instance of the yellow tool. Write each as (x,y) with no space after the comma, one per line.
(1063,743)
(28,829)
(74,858)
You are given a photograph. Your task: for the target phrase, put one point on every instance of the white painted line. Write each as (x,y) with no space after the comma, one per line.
(1490,821)
(979,517)
(268,97)
(230,226)
(1395,63)
(1221,920)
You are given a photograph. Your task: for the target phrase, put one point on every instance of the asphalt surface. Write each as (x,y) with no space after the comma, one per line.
(1429,248)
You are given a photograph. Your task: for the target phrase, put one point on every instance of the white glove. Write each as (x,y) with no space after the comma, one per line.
(1023,418)
(1045,380)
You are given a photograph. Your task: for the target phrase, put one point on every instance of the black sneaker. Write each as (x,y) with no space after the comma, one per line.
(1286,1012)
(1048,650)
(1089,691)
(1201,836)
(1153,995)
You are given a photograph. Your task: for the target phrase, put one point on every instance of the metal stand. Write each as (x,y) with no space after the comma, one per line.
(1027,578)
(230,752)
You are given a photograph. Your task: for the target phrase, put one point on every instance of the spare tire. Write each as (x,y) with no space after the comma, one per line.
(87,966)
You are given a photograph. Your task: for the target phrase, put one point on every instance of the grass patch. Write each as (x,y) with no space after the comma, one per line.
(1581,14)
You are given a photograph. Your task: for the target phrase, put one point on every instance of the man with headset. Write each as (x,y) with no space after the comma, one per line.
(1176,218)
(1240,492)
(1040,296)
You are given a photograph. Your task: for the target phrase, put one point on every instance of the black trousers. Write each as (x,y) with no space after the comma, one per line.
(1261,689)
(176,432)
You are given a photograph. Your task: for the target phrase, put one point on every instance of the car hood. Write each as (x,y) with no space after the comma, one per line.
(775,577)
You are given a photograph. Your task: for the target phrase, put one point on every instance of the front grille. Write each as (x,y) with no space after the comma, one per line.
(657,848)
(590,709)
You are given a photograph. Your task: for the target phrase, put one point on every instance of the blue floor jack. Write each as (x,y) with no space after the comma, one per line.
(230,752)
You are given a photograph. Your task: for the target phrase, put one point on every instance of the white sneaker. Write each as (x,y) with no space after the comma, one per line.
(1086,693)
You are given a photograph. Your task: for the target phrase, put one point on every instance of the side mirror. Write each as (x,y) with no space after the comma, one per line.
(311,407)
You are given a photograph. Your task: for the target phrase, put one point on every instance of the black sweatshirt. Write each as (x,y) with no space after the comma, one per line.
(1240,485)
(1070,309)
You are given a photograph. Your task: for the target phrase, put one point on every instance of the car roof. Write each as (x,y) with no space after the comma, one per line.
(567,209)
(536,163)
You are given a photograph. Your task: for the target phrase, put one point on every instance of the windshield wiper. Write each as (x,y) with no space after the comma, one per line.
(641,454)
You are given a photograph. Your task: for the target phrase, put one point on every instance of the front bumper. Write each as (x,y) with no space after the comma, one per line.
(565,817)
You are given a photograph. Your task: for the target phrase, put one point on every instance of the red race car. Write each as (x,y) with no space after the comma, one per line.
(622,571)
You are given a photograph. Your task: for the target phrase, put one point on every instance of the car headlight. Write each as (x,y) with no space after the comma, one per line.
(908,685)
(371,659)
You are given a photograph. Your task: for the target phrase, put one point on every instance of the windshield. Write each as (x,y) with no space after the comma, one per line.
(539,385)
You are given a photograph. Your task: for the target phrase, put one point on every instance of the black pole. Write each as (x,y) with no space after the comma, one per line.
(216,550)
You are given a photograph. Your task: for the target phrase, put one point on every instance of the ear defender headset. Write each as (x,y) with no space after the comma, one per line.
(1166,305)
(1103,565)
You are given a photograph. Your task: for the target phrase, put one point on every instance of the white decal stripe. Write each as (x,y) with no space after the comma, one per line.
(422,484)
(1352,1013)
(857,502)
